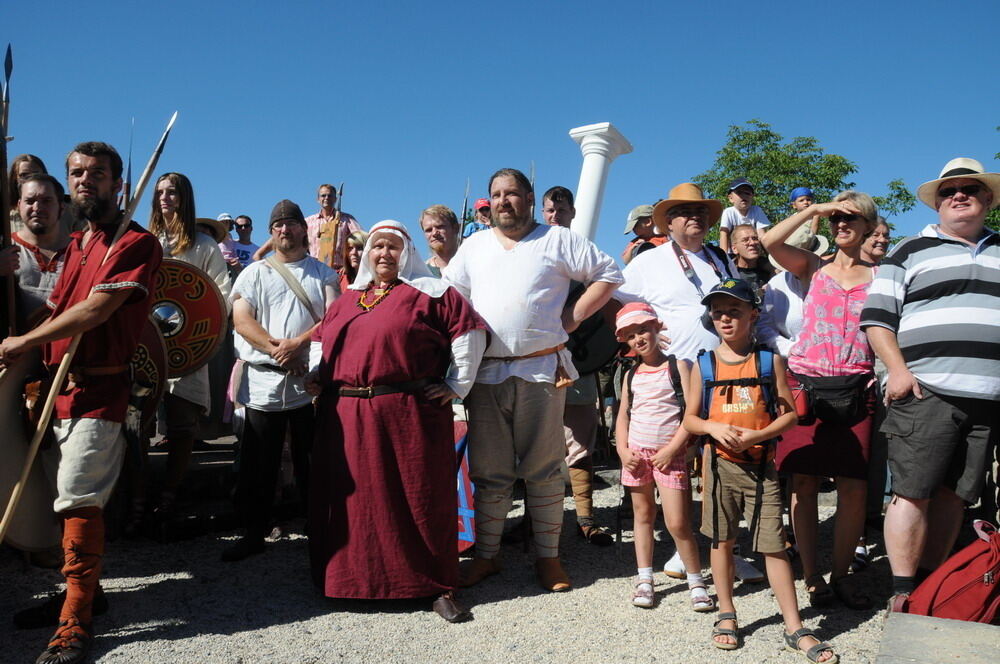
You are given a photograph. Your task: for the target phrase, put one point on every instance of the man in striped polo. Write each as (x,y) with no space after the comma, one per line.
(933,317)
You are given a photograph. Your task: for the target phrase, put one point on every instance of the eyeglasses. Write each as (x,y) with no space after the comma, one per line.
(837,218)
(968,190)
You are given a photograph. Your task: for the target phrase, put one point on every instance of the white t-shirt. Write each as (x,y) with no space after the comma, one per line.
(244,252)
(283,316)
(781,313)
(731,218)
(521,293)
(657,278)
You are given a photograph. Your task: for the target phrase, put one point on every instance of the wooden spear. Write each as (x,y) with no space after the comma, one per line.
(67,359)
(10,310)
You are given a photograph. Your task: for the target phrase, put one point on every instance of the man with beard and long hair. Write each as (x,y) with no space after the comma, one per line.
(172,221)
(104,296)
(517,275)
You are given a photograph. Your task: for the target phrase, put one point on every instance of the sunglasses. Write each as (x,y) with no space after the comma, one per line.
(837,218)
(968,190)
(243,226)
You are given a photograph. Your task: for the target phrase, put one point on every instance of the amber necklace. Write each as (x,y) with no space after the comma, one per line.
(380,294)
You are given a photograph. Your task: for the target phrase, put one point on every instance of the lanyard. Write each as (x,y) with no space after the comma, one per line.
(689,269)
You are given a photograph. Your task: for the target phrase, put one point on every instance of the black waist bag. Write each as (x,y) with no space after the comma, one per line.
(837,399)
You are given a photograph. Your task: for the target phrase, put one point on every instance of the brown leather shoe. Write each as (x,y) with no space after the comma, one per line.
(475,570)
(448,608)
(551,575)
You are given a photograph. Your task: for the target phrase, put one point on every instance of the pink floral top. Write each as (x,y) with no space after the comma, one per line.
(832,342)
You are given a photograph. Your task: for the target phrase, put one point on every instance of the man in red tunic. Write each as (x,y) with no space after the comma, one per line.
(103,294)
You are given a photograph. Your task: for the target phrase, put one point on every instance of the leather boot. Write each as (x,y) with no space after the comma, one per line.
(551,575)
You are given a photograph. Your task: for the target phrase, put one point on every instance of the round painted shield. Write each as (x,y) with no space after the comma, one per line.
(191,315)
(593,343)
(149,368)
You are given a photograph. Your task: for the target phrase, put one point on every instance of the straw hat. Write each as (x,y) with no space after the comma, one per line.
(960,167)
(688,192)
(219,229)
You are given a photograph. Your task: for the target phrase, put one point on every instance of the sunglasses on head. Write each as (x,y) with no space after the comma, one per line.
(838,217)
(968,190)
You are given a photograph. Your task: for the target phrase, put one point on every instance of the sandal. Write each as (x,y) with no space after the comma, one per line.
(595,535)
(821,595)
(700,601)
(722,631)
(812,654)
(861,559)
(848,598)
(642,595)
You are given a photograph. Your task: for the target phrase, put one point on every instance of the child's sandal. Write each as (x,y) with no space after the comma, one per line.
(642,594)
(700,601)
(722,631)
(812,654)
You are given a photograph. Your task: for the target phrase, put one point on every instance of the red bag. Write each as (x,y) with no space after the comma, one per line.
(965,587)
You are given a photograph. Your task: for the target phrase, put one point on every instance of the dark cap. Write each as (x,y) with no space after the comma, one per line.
(737,288)
(740,182)
(285,209)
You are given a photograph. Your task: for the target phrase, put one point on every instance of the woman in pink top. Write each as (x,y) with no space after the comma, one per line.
(831,343)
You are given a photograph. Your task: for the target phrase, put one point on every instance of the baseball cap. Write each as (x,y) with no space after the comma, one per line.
(637,213)
(740,182)
(481,203)
(737,288)
(224,217)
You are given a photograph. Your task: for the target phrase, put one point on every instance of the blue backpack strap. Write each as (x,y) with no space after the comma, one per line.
(706,362)
(765,371)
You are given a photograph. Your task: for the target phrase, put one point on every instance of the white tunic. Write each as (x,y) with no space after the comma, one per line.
(283,315)
(521,292)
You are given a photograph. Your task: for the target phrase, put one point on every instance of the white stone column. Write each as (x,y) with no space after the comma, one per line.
(600,144)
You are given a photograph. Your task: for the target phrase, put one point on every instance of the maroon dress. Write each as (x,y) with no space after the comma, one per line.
(383,490)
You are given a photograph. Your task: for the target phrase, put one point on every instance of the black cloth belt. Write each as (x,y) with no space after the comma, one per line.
(371,391)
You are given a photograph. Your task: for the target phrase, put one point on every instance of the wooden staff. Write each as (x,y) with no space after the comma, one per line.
(67,359)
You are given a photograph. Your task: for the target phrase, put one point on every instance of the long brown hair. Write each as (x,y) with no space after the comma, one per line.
(180,231)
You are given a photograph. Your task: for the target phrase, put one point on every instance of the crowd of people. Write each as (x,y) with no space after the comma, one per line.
(772,363)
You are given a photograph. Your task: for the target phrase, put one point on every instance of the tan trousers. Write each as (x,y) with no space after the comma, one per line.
(516,431)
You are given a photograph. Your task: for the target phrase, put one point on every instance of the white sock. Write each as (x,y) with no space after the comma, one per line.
(695,579)
(646,575)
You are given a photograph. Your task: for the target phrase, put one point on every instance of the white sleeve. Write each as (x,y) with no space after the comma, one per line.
(455,273)
(466,353)
(315,355)
(587,263)
(631,290)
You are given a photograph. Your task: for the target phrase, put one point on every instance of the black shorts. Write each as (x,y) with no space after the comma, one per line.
(940,441)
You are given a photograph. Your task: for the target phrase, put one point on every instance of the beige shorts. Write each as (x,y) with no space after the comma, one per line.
(89,459)
(736,497)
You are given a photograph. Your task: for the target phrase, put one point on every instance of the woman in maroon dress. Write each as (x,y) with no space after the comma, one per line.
(383,504)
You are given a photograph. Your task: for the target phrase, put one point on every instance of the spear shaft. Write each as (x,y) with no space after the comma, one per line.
(6,198)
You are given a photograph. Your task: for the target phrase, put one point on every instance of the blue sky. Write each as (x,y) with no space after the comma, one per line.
(404,101)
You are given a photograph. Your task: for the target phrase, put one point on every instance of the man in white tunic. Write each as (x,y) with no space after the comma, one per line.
(274,323)
(517,275)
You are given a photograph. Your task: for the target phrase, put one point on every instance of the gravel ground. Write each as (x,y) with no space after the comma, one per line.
(178,603)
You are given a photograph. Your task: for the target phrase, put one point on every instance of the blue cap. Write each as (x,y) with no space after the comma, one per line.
(741,182)
(798,192)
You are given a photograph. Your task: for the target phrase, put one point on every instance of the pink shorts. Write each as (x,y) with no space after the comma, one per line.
(675,477)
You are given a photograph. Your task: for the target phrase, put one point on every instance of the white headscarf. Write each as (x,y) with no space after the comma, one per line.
(412,269)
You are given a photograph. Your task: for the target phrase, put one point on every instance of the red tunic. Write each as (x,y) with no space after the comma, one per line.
(383,490)
(132,265)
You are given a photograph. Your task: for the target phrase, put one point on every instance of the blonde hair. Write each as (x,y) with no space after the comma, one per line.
(865,205)
(181,229)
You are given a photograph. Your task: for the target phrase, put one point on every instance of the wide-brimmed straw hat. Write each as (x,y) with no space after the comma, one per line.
(960,167)
(220,229)
(687,192)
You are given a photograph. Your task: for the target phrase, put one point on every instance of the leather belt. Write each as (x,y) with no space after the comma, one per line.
(537,353)
(370,391)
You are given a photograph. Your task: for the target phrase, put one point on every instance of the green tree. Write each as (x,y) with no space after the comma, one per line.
(776,166)
(993,218)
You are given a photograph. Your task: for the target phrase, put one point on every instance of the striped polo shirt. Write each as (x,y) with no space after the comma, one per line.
(942,299)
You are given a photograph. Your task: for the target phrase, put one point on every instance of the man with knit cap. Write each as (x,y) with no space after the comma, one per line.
(274,322)
(932,317)
(517,275)
(104,294)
